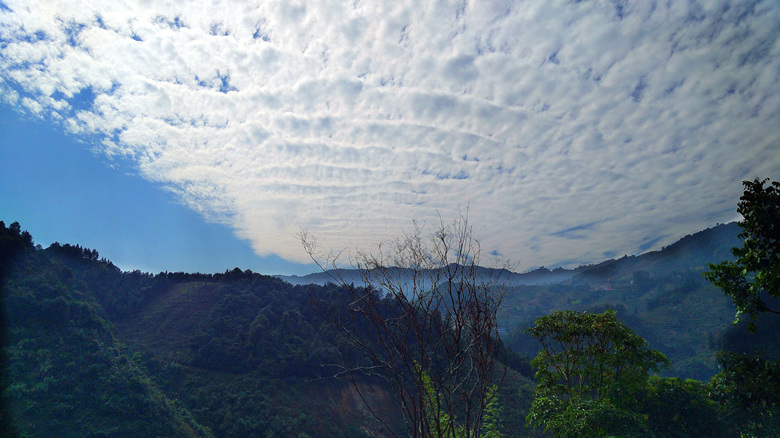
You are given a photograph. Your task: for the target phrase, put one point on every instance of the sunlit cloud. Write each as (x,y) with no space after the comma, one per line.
(569,130)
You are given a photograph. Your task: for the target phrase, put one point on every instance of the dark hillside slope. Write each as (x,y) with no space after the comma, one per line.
(92,351)
(247,354)
(68,375)
(236,325)
(169,319)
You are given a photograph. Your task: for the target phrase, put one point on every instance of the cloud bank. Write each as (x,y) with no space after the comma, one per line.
(573,131)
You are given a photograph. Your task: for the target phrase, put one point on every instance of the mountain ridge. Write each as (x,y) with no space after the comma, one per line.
(709,243)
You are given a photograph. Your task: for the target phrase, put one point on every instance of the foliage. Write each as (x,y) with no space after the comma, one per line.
(749,388)
(742,400)
(677,408)
(589,372)
(580,417)
(756,272)
(766,338)
(68,375)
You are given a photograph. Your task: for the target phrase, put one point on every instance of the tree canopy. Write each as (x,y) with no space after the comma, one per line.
(589,371)
(755,275)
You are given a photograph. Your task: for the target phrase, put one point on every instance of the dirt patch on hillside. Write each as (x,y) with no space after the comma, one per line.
(360,404)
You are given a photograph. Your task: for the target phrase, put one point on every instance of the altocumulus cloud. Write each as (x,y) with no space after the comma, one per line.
(569,128)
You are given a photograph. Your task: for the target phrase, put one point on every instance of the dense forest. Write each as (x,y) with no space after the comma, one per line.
(90,350)
(94,351)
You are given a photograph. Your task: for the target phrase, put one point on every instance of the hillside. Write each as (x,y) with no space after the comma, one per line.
(661,295)
(68,374)
(243,354)
(349,275)
(93,351)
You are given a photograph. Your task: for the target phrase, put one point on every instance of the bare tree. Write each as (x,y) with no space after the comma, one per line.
(424,320)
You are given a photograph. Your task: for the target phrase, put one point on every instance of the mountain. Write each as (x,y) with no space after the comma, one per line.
(89,350)
(65,371)
(692,251)
(661,295)
(354,276)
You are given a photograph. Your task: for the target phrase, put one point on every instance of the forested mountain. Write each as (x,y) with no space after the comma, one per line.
(66,373)
(661,295)
(93,351)
(89,350)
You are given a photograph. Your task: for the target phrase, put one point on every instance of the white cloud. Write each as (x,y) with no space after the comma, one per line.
(570,130)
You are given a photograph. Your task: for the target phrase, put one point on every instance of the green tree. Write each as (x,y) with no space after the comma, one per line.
(589,372)
(677,408)
(755,274)
(748,387)
(748,384)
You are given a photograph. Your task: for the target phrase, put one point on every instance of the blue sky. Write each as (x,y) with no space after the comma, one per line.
(186,136)
(61,191)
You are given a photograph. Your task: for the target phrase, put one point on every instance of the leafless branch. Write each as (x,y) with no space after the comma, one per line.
(424,320)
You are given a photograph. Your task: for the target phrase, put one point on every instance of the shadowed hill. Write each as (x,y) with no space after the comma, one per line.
(352,276)
(692,252)
(68,374)
(92,351)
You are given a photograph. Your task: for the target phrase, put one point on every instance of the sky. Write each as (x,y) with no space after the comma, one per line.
(202,136)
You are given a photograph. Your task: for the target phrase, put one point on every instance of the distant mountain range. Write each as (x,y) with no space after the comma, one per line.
(694,250)
(662,295)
